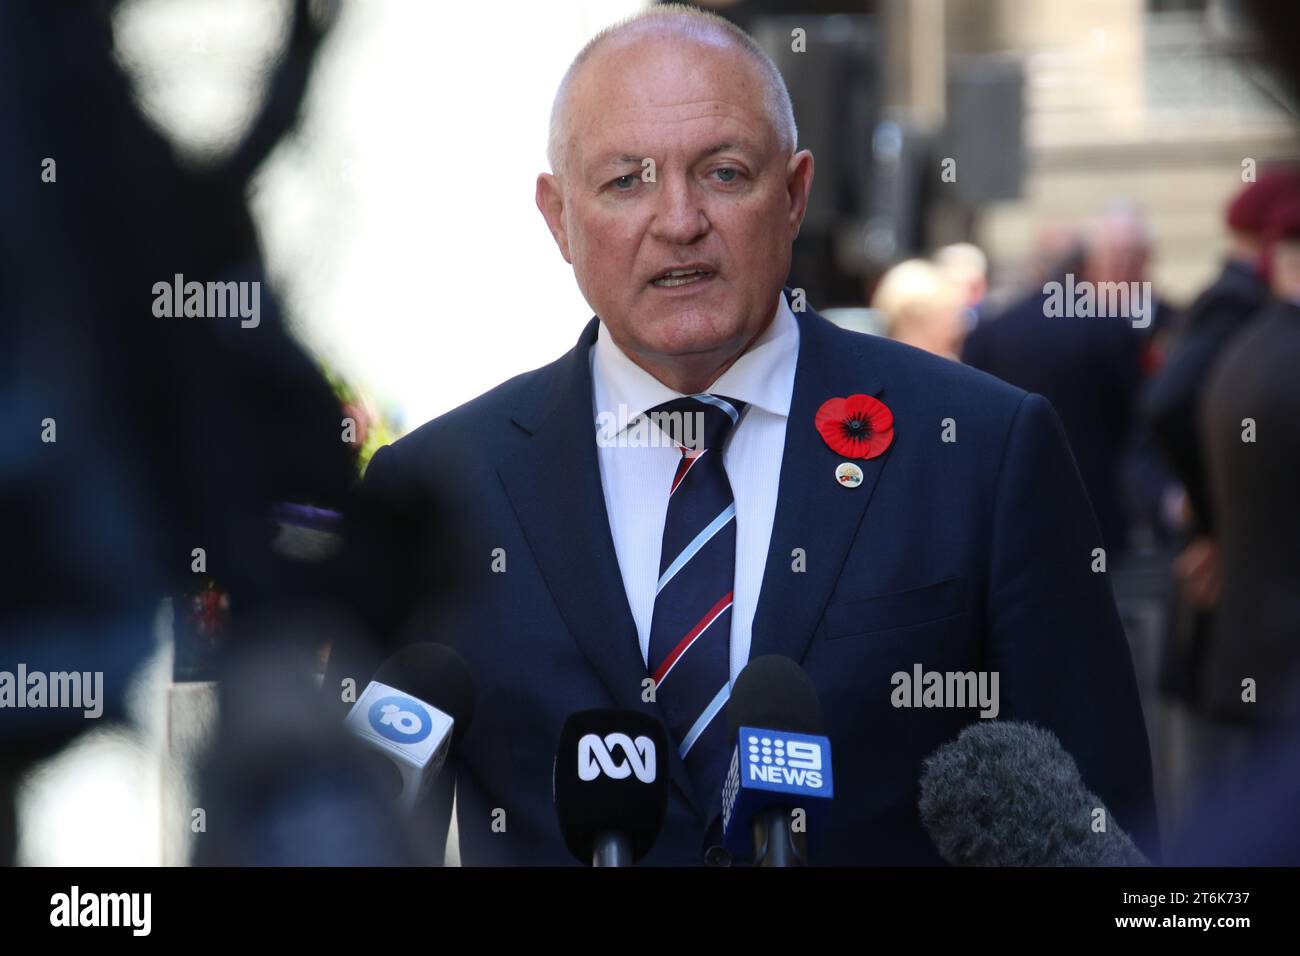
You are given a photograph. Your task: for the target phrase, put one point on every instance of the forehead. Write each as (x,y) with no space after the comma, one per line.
(656,94)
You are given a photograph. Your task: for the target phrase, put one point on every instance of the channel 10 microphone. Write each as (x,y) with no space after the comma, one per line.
(1007,794)
(781,764)
(611,785)
(412,713)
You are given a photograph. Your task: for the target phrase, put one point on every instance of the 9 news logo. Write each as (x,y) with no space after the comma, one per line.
(772,759)
(403,720)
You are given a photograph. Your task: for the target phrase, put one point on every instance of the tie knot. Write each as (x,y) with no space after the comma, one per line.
(697,421)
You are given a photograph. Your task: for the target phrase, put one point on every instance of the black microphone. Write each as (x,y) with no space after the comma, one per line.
(412,714)
(611,785)
(1007,794)
(779,785)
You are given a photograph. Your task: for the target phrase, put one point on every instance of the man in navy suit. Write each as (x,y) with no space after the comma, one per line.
(1089,367)
(599,561)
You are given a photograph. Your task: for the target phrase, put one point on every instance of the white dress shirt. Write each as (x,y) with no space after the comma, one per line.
(636,475)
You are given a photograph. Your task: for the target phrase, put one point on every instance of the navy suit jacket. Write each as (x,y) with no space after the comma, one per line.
(1090,369)
(974,554)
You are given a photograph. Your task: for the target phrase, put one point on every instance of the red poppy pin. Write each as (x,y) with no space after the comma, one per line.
(856,427)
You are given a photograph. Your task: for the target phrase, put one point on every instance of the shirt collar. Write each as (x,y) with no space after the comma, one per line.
(762,376)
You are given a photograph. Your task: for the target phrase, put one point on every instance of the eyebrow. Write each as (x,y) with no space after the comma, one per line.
(627,159)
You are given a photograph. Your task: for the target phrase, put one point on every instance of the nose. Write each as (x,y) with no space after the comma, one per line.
(679,215)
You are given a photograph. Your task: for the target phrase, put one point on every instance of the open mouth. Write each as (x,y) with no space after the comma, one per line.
(680,277)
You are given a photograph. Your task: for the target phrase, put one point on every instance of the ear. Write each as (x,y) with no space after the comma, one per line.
(550,200)
(798,181)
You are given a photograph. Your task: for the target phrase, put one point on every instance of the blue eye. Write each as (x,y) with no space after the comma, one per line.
(727,174)
(625,182)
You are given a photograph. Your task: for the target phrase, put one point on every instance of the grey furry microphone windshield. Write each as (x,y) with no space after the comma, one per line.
(1007,794)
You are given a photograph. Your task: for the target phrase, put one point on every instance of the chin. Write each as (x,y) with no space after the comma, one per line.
(694,331)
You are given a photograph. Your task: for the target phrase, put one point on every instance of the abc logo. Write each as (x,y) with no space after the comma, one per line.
(401,719)
(596,756)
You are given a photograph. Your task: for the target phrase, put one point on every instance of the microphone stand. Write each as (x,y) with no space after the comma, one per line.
(775,844)
(611,849)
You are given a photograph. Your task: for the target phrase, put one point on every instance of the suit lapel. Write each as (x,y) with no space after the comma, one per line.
(555,489)
(814,512)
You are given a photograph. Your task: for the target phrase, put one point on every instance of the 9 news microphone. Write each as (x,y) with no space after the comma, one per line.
(416,708)
(781,764)
(611,785)
(1007,794)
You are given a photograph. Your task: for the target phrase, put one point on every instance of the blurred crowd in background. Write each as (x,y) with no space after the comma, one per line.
(974,157)
(1162,418)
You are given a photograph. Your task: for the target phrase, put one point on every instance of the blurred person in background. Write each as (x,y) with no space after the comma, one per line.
(1248,818)
(1118,249)
(1090,368)
(1214,317)
(921,307)
(1250,428)
(135,437)
(1118,252)
(1058,249)
(1171,405)
(967,268)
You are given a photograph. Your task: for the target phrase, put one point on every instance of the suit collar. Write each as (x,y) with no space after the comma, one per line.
(561,381)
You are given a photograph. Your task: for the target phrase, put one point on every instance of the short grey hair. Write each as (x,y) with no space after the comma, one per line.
(694,24)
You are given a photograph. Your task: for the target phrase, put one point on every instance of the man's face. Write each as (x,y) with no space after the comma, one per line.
(725,202)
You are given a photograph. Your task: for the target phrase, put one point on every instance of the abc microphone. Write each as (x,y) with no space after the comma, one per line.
(781,764)
(418,705)
(610,785)
(1007,794)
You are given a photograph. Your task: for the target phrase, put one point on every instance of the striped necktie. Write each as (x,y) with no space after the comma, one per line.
(690,632)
